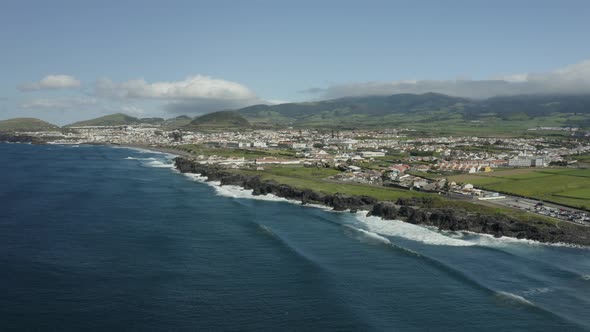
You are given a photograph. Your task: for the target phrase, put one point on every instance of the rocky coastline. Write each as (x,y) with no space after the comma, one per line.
(413,210)
(12,138)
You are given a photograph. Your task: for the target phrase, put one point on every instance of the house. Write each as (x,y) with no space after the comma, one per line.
(422,168)
(520,162)
(538,162)
(271,160)
(371,154)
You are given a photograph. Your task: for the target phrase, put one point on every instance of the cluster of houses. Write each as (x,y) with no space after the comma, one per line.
(454,154)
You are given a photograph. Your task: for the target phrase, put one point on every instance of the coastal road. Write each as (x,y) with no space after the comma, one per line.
(528,204)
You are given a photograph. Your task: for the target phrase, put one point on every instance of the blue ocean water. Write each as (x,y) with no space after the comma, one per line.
(99,238)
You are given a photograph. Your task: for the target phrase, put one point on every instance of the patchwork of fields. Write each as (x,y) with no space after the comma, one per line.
(563,186)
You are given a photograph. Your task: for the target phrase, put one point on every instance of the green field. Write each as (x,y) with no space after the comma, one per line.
(198,149)
(563,186)
(317,179)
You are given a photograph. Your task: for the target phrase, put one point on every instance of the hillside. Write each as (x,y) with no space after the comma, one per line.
(26,124)
(118,119)
(178,122)
(219,120)
(429,112)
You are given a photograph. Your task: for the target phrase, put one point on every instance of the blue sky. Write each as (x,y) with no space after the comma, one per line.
(69,60)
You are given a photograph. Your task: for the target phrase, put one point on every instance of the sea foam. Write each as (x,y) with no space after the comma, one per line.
(369,236)
(506,296)
(159,164)
(488,240)
(409,231)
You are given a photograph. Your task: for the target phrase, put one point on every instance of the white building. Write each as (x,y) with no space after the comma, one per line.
(372,154)
(520,162)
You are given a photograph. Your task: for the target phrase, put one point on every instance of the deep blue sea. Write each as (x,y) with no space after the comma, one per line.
(102,238)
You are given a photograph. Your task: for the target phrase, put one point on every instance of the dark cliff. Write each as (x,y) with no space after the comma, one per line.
(414,210)
(12,138)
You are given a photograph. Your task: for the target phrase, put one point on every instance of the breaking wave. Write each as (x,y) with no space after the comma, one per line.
(509,297)
(408,231)
(239,192)
(134,158)
(159,164)
(140,150)
(488,240)
(367,236)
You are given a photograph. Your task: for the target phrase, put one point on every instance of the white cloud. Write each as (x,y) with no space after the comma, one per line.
(59,104)
(52,82)
(195,94)
(194,87)
(276,101)
(573,79)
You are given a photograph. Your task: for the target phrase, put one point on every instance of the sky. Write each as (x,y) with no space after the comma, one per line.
(64,61)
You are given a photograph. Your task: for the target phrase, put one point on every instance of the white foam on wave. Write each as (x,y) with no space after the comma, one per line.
(318,206)
(369,236)
(586,277)
(159,164)
(506,296)
(144,151)
(408,231)
(236,191)
(239,192)
(135,158)
(488,240)
(195,177)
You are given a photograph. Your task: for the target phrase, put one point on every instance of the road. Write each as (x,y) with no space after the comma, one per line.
(547,209)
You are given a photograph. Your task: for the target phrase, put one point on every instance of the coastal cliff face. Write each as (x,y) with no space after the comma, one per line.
(414,210)
(11,138)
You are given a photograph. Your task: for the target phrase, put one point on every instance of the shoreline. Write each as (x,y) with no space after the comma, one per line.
(411,210)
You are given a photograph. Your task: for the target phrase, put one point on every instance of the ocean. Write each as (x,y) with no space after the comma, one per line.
(96,238)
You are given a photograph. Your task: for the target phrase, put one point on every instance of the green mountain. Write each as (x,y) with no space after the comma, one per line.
(118,119)
(219,120)
(429,112)
(154,121)
(178,122)
(26,124)
(349,111)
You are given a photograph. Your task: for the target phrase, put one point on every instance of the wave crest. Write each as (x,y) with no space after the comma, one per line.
(510,297)
(409,231)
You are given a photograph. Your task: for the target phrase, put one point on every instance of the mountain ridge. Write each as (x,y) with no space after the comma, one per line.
(26,124)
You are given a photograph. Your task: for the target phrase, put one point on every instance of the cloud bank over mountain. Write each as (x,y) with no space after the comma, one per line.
(573,79)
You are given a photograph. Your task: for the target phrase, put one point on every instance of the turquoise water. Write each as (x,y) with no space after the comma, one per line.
(97,238)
